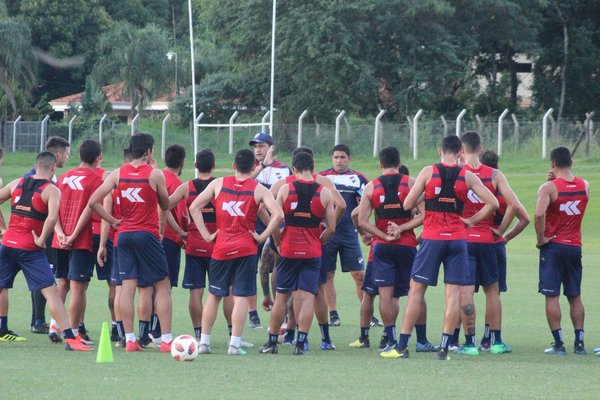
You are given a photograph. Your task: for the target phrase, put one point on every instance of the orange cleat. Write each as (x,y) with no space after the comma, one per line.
(76,345)
(165,347)
(132,346)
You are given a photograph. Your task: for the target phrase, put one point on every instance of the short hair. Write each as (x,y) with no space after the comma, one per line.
(341,147)
(389,157)
(451,144)
(471,140)
(304,149)
(89,150)
(303,161)
(127,156)
(56,143)
(139,144)
(205,160)
(561,157)
(403,169)
(489,158)
(45,160)
(174,156)
(244,161)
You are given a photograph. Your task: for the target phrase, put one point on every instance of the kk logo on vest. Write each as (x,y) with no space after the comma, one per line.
(233,208)
(570,207)
(74,182)
(132,195)
(473,198)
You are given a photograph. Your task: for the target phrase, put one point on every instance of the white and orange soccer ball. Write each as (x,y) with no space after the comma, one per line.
(184,348)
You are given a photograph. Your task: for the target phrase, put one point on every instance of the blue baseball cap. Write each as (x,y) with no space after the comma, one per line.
(262,137)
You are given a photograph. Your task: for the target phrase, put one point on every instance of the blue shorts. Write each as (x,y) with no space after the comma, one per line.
(34,265)
(350,255)
(431,253)
(239,273)
(173,254)
(501,254)
(392,265)
(483,263)
(298,274)
(560,263)
(103,273)
(75,264)
(141,257)
(115,279)
(196,269)
(368,286)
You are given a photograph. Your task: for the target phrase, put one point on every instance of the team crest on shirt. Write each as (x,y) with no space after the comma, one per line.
(294,205)
(437,189)
(381,198)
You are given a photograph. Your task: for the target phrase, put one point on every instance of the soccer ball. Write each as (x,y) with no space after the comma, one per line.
(184,348)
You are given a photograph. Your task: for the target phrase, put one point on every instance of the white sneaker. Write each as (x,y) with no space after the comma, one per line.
(597,350)
(245,344)
(236,351)
(203,348)
(157,341)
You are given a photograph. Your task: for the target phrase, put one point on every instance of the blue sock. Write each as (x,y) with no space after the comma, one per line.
(273,338)
(4,323)
(364,333)
(82,328)
(324,332)
(496,336)
(578,336)
(198,331)
(290,334)
(68,334)
(230,328)
(253,314)
(120,329)
(455,336)
(486,334)
(470,339)
(38,322)
(557,335)
(302,336)
(445,342)
(421,333)
(155,325)
(403,341)
(391,334)
(144,329)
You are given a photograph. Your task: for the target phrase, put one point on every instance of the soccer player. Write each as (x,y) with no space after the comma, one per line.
(34,212)
(350,184)
(73,239)
(393,255)
(305,204)
(561,204)
(445,186)
(234,260)
(483,258)
(141,189)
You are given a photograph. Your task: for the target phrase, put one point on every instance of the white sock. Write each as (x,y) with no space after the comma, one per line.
(75,331)
(166,337)
(205,339)
(54,326)
(130,337)
(235,341)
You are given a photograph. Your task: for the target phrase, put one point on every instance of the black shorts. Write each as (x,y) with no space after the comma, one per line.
(141,257)
(348,248)
(103,273)
(75,264)
(298,274)
(34,265)
(452,253)
(392,265)
(173,254)
(483,263)
(115,279)
(196,269)
(239,273)
(560,264)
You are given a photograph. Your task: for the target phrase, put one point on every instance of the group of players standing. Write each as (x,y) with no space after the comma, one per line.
(466,209)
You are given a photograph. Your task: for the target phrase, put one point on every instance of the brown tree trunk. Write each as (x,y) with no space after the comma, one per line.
(563,70)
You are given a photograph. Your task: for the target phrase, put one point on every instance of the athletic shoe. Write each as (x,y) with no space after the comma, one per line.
(236,351)
(454,347)
(132,346)
(306,345)
(500,348)
(254,322)
(76,345)
(298,351)
(10,336)
(556,350)
(287,342)
(148,343)
(84,338)
(425,347)
(165,347)
(157,340)
(268,348)
(40,328)
(579,349)
(382,342)
(596,350)
(360,344)
(327,346)
(335,321)
(442,354)
(376,322)
(120,343)
(55,337)
(396,353)
(468,349)
(204,349)
(387,347)
(246,345)
(485,346)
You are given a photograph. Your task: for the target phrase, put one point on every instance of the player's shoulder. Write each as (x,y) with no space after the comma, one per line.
(360,175)
(279,164)
(328,171)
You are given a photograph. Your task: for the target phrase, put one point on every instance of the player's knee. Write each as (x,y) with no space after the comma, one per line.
(468,309)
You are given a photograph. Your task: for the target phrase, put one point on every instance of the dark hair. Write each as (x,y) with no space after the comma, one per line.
(174,156)
(205,160)
(489,158)
(389,157)
(45,160)
(451,144)
(139,144)
(56,143)
(127,156)
(303,161)
(403,170)
(561,157)
(341,147)
(244,161)
(89,150)
(304,149)
(471,140)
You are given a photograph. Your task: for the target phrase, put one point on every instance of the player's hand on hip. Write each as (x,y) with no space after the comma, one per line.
(367,239)
(38,241)
(257,238)
(545,240)
(211,238)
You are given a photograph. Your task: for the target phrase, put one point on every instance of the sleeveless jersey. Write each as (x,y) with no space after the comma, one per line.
(28,213)
(137,200)
(236,215)
(96,220)
(116,212)
(564,215)
(76,187)
(445,195)
(196,246)
(388,193)
(481,232)
(303,212)
(180,211)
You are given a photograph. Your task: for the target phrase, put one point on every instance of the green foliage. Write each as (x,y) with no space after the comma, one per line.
(94,100)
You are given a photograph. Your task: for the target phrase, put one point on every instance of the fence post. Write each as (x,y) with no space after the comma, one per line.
(459,120)
(445,125)
(377,132)
(411,132)
(416,133)
(134,124)
(43,130)
(479,124)
(163,139)
(545,131)
(300,121)
(501,129)
(588,132)
(196,132)
(517,133)
(265,123)
(231,120)
(100,126)
(14,144)
(337,126)
(71,129)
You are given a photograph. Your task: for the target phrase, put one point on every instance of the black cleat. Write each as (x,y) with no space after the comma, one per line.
(442,354)
(40,328)
(268,348)
(298,351)
(376,322)
(335,320)
(55,337)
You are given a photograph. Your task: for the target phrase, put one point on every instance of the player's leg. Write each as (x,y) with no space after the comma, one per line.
(38,301)
(550,280)
(164,310)
(468,315)
(572,290)
(81,268)
(144,311)
(320,306)
(328,263)
(243,284)
(304,315)
(366,309)
(287,282)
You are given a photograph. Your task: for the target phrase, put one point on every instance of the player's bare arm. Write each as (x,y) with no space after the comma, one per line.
(82,222)
(522,221)
(338,201)
(158,182)
(181,193)
(546,194)
(513,204)
(50,196)
(364,213)
(263,195)
(95,202)
(200,202)
(330,221)
(104,230)
(418,188)
(491,202)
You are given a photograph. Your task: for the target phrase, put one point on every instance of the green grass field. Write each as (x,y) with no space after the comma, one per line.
(39,369)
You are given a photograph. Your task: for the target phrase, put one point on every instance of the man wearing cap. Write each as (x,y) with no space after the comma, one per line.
(268,170)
